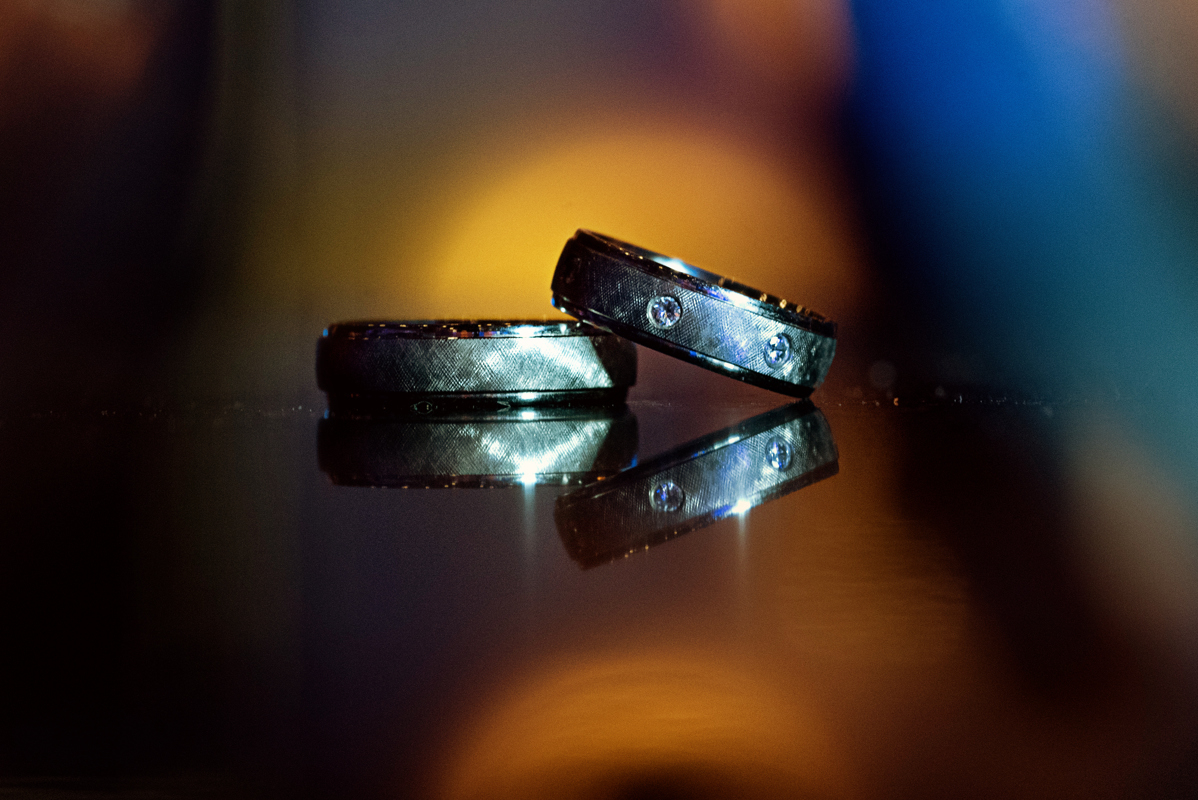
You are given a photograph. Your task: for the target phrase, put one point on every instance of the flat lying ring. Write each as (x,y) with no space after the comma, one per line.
(537,447)
(727,472)
(697,316)
(400,368)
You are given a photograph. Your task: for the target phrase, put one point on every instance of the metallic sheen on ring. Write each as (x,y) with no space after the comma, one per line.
(697,316)
(423,368)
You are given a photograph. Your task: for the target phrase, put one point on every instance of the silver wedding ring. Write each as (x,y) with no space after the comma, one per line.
(423,368)
(670,306)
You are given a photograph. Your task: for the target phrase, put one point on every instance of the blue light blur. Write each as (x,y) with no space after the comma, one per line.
(1015,160)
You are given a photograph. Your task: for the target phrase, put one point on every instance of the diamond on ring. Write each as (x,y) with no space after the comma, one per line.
(777,350)
(664,311)
(779,452)
(667,496)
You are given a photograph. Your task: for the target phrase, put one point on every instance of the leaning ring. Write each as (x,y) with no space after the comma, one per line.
(697,316)
(372,368)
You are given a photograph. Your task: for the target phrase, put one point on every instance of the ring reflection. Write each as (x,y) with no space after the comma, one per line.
(525,447)
(726,472)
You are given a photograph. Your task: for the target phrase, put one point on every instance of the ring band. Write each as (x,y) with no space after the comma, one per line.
(539,447)
(707,479)
(367,368)
(668,305)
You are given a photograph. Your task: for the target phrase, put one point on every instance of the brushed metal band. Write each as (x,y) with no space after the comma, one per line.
(480,450)
(668,305)
(426,367)
(707,479)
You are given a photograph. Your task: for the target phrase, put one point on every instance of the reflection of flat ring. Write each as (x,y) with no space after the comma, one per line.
(686,312)
(434,367)
(536,446)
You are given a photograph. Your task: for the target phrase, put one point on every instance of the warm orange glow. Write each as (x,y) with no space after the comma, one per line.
(688,191)
(1137,532)
(89,51)
(800,46)
(859,584)
(1162,40)
(610,725)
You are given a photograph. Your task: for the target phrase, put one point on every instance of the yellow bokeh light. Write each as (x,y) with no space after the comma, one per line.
(682,189)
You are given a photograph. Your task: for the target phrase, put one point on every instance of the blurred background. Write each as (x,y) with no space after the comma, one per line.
(281,165)
(997,200)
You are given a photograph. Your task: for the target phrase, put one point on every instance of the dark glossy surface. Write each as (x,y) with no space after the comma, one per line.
(193,607)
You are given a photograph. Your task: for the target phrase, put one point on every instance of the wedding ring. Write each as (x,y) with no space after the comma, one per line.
(423,368)
(724,473)
(668,305)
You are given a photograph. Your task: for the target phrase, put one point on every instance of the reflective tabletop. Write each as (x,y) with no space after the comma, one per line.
(725,596)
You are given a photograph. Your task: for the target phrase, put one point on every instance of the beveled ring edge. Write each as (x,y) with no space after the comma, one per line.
(708,283)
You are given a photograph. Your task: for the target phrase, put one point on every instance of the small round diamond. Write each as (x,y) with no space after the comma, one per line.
(664,311)
(668,496)
(779,453)
(777,350)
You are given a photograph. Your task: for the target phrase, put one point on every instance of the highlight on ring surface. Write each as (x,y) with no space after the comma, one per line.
(434,367)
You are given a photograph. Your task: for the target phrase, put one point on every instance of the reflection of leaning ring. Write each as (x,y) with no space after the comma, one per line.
(686,312)
(436,367)
(724,473)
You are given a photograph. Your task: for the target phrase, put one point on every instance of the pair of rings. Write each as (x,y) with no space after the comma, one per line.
(621,294)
